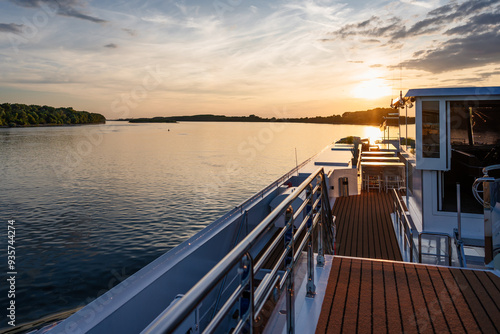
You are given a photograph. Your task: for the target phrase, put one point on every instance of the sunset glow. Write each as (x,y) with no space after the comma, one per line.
(372,89)
(373,133)
(310,58)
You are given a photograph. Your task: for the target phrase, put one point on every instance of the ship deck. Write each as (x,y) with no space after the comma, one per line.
(364,226)
(366,288)
(370,291)
(377,296)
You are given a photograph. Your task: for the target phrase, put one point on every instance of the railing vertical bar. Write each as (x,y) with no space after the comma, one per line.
(251,290)
(311,287)
(419,248)
(290,310)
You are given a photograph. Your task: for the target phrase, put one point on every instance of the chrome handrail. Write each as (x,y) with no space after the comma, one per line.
(406,227)
(318,215)
(485,201)
(459,244)
(480,180)
(437,234)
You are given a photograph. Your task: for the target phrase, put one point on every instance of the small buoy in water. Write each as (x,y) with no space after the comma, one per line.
(169,130)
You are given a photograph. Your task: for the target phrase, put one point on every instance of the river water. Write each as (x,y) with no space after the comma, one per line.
(93,204)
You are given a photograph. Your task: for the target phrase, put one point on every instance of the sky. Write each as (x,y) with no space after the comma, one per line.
(240,57)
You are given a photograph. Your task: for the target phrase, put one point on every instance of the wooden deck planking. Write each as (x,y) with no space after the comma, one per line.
(467,320)
(390,209)
(364,227)
(476,299)
(365,313)
(372,296)
(406,309)
(445,301)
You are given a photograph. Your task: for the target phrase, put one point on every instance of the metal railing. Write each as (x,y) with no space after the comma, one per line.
(480,180)
(246,298)
(485,199)
(459,244)
(457,232)
(438,236)
(405,227)
(408,231)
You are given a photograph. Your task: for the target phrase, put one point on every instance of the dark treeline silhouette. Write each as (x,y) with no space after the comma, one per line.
(32,115)
(152,120)
(366,117)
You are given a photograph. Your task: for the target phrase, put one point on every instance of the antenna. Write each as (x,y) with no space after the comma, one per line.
(400,72)
(296,161)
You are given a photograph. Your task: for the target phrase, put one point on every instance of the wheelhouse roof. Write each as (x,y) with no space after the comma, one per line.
(460,91)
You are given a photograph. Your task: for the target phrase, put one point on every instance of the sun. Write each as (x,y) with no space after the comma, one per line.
(371,89)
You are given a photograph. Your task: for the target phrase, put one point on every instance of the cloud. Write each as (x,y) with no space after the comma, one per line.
(69,8)
(425,4)
(476,23)
(471,51)
(486,75)
(393,28)
(442,16)
(130,31)
(476,40)
(371,40)
(11,27)
(463,35)
(374,27)
(111,46)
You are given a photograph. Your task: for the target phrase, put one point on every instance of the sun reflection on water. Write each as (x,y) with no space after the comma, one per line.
(373,133)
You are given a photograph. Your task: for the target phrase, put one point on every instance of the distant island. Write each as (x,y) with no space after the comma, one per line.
(13,115)
(152,120)
(366,117)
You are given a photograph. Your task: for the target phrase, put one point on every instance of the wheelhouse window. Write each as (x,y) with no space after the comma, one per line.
(430,129)
(475,143)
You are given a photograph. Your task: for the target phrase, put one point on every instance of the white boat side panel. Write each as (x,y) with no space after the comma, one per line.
(329,156)
(336,163)
(417,195)
(352,176)
(441,221)
(415,213)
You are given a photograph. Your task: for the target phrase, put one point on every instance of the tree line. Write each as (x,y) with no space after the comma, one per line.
(365,117)
(15,114)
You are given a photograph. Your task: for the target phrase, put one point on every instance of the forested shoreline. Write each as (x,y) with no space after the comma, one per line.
(14,115)
(366,117)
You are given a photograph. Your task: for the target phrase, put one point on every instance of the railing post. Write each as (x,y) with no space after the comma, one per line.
(246,300)
(320,259)
(290,309)
(311,287)
(419,248)
(449,251)
(411,245)
(459,213)
(488,227)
